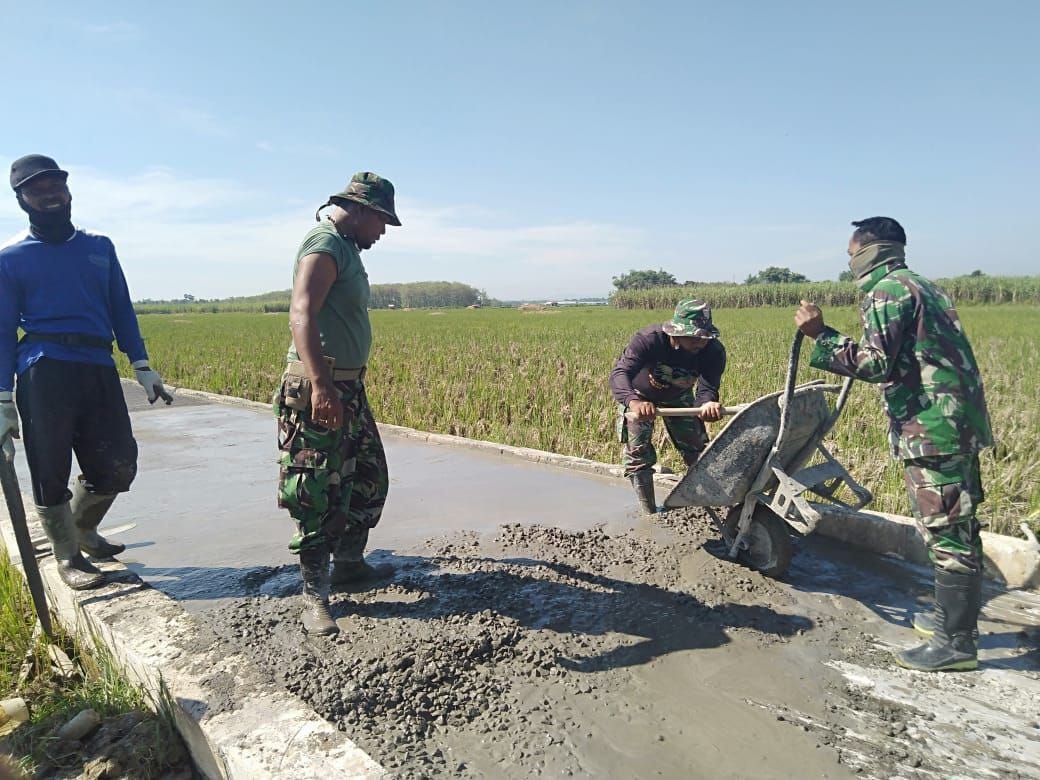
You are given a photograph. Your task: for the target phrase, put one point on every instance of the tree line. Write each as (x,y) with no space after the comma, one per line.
(406,295)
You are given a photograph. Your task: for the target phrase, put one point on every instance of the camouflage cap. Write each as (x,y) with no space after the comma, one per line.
(692,318)
(373,191)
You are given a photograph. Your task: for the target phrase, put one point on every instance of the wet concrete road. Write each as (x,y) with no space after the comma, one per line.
(207,532)
(204,498)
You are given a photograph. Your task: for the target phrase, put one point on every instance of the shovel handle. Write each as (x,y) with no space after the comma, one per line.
(688,411)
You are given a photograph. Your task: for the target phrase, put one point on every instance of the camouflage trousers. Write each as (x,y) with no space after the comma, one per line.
(945,492)
(334,483)
(687,434)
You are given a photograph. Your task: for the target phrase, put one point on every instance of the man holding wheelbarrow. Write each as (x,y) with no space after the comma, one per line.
(659,368)
(913,345)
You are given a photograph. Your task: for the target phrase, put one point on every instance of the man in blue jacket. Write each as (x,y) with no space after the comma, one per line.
(66,291)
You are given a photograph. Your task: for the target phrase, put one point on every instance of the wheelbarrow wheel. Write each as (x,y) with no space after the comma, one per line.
(768,547)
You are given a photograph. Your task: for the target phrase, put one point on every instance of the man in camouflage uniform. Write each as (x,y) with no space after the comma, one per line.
(913,345)
(659,368)
(333,477)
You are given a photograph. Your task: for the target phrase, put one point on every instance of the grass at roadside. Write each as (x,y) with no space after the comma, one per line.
(26,671)
(539,379)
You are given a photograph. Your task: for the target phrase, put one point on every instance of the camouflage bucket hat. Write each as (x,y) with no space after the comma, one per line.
(373,191)
(692,318)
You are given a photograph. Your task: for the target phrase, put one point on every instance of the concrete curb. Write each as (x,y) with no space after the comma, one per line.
(1014,561)
(524,453)
(235,726)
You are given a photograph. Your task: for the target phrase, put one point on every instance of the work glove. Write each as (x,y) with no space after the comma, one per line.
(8,423)
(151,382)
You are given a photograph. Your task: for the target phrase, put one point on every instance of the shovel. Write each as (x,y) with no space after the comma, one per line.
(16,511)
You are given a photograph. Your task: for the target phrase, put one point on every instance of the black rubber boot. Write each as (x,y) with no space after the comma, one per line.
(88,510)
(314,569)
(75,570)
(348,561)
(952,646)
(643,482)
(924,624)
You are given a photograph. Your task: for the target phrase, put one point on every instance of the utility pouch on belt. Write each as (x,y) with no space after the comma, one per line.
(296,392)
(296,386)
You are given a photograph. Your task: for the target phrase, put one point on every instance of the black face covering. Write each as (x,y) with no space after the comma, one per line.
(54,227)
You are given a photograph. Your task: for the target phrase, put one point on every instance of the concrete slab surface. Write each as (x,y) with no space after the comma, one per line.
(204,508)
(530,594)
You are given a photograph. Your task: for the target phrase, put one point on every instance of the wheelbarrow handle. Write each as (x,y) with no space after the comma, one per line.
(687,411)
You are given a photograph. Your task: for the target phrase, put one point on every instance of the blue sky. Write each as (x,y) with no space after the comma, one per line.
(538,149)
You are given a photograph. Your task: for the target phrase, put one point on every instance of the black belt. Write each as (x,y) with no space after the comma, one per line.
(68,339)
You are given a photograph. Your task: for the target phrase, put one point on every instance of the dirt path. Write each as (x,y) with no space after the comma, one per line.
(536,651)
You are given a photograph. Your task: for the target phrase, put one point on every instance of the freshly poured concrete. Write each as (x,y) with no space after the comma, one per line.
(204,497)
(541,647)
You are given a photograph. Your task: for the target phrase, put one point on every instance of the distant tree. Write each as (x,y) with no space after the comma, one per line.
(644,280)
(976,272)
(775,275)
(846,276)
(423,295)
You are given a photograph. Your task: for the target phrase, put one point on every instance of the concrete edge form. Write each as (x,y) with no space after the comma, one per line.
(1015,561)
(266,733)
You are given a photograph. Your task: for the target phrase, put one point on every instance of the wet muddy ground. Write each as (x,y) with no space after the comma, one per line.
(637,652)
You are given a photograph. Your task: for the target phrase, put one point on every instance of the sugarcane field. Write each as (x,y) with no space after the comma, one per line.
(545,401)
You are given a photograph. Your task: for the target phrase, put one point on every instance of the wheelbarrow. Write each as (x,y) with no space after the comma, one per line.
(756,468)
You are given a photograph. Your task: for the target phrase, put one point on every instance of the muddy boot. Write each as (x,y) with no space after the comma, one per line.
(924,622)
(643,482)
(314,569)
(348,562)
(75,570)
(88,509)
(952,646)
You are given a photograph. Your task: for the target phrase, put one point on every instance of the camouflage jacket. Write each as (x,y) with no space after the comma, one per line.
(913,345)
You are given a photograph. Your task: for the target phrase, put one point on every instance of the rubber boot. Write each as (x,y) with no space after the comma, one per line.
(924,622)
(88,510)
(952,646)
(349,566)
(314,569)
(75,570)
(643,482)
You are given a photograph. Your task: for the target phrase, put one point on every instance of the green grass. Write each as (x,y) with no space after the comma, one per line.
(539,379)
(53,699)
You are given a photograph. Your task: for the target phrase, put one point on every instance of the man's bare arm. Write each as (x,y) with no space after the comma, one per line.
(314,278)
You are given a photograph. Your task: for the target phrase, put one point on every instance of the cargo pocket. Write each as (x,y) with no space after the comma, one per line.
(943,491)
(304,481)
(622,424)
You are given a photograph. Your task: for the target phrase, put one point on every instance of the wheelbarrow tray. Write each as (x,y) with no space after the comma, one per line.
(731,462)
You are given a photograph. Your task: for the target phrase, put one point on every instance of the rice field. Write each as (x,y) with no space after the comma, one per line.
(539,379)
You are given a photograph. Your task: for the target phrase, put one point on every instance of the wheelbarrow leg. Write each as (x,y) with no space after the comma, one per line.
(746,513)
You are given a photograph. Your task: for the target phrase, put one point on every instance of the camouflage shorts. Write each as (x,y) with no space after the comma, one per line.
(688,434)
(945,493)
(331,481)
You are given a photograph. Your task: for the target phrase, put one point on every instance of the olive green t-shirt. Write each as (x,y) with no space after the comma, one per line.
(346,333)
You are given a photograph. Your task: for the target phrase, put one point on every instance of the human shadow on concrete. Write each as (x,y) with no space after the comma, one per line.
(895,590)
(197,583)
(558,597)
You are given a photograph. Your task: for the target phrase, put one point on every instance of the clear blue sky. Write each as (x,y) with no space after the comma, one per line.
(538,149)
